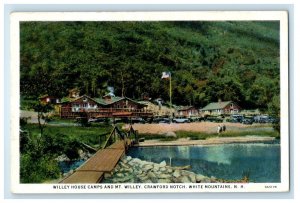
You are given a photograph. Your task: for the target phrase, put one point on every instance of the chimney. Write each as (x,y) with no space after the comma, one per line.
(219,100)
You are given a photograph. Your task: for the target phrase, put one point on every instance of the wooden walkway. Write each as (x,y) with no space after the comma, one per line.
(105,160)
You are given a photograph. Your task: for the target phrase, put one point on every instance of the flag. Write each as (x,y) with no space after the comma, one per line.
(166,75)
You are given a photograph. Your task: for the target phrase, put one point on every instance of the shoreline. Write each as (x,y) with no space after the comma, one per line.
(209,141)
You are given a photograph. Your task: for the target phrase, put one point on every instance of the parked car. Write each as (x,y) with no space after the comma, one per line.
(181,120)
(248,120)
(261,119)
(237,117)
(161,120)
(96,120)
(138,120)
(217,119)
(273,120)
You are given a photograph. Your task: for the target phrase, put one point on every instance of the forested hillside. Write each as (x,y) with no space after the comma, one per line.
(236,61)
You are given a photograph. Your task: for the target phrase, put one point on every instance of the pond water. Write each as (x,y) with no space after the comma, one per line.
(66,166)
(259,161)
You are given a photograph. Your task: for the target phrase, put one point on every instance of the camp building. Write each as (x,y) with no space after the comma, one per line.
(107,106)
(221,107)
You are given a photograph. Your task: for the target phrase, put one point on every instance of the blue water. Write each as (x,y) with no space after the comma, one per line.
(66,166)
(261,162)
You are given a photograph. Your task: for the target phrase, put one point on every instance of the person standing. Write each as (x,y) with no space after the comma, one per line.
(219,129)
(223,128)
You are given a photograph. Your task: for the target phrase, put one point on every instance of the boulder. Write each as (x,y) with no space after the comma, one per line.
(163,169)
(147,181)
(200,178)
(170,170)
(162,164)
(176,173)
(119,175)
(128,158)
(165,176)
(192,177)
(137,172)
(164,180)
(147,167)
(108,175)
(184,179)
(123,179)
(151,175)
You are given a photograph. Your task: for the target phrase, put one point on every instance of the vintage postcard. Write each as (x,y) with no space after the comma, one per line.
(138,102)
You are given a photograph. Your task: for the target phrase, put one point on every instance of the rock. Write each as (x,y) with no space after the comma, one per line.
(163,169)
(187,173)
(134,161)
(170,134)
(137,172)
(164,181)
(128,158)
(147,181)
(170,170)
(206,180)
(184,179)
(123,165)
(151,175)
(124,161)
(165,176)
(147,167)
(122,180)
(107,175)
(62,158)
(200,178)
(192,177)
(156,168)
(162,164)
(143,178)
(157,172)
(119,175)
(176,173)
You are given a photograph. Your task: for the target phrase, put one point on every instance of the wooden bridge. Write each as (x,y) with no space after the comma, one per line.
(105,159)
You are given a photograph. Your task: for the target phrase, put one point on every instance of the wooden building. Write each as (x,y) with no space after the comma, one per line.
(49,99)
(107,106)
(218,108)
(188,111)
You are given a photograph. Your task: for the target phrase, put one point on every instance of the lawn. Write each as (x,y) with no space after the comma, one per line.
(88,135)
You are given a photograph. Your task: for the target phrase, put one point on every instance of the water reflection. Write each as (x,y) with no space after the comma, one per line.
(232,161)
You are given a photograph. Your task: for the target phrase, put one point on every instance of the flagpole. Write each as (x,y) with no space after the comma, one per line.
(171,93)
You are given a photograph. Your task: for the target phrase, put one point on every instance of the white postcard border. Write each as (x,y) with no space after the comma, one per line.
(18,17)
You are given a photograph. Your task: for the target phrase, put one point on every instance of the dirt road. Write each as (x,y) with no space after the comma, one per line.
(208,127)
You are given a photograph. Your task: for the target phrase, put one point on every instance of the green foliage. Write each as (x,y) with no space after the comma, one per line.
(38,152)
(37,170)
(209,60)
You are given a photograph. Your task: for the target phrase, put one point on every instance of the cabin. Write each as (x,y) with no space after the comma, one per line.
(105,106)
(188,111)
(49,99)
(221,107)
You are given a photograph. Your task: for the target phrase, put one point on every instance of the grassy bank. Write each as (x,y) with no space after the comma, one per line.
(203,135)
(39,152)
(88,135)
